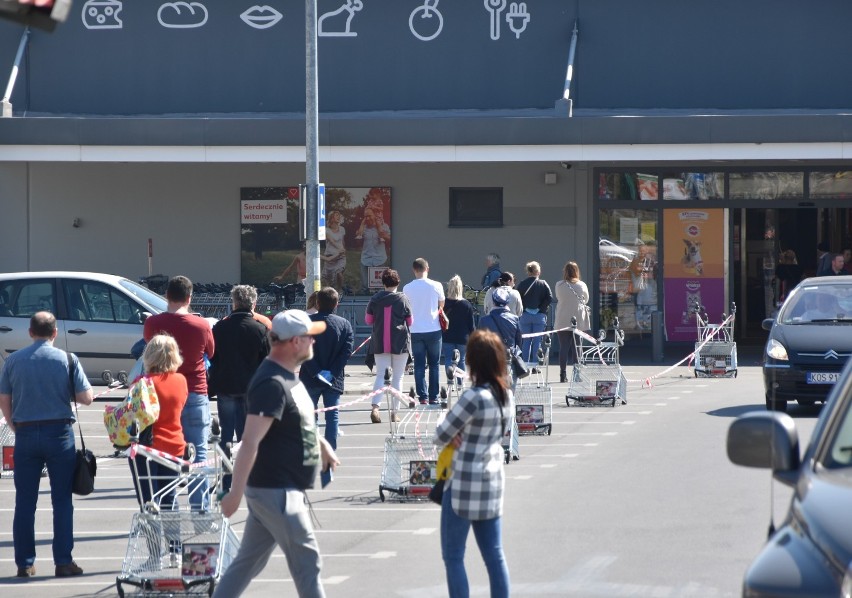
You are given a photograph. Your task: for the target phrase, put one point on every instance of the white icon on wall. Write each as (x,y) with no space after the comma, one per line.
(333,28)
(102,14)
(182,15)
(495,7)
(428,27)
(518,17)
(261,17)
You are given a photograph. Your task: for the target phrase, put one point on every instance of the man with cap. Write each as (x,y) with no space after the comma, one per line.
(278,460)
(503,322)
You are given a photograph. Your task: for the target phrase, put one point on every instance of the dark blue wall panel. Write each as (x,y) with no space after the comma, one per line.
(633,54)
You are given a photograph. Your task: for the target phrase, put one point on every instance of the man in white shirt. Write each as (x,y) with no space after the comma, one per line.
(427,298)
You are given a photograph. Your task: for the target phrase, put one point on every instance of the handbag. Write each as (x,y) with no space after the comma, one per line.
(142,406)
(85,464)
(443,320)
(583,303)
(519,366)
(513,354)
(444,467)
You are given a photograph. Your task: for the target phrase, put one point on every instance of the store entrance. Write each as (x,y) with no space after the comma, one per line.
(761,239)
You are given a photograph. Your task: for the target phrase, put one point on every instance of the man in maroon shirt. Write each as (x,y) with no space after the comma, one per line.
(195,339)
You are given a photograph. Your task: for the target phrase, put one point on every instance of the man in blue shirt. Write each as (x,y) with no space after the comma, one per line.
(36,388)
(323,374)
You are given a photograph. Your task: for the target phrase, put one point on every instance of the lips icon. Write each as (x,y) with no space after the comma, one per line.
(261,17)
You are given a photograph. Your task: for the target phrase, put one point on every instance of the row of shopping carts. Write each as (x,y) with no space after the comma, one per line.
(409,470)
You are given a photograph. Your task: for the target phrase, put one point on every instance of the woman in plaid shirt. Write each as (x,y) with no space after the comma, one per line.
(473,496)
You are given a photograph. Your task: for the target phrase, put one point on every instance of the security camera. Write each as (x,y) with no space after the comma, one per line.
(566,165)
(75,223)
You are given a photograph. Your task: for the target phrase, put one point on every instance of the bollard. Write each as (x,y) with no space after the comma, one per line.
(656,336)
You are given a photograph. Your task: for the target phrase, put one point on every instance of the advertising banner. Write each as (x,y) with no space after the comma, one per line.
(693,265)
(357,236)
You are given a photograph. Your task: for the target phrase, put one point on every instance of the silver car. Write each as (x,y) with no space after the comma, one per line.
(99,316)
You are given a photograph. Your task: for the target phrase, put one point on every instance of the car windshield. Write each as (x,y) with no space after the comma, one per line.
(147,296)
(818,303)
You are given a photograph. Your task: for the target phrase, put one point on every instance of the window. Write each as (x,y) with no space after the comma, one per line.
(831,184)
(627,287)
(767,185)
(693,185)
(97,302)
(476,207)
(23,298)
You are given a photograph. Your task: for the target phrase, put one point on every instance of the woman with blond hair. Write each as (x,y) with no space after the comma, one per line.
(572,301)
(161,359)
(460,313)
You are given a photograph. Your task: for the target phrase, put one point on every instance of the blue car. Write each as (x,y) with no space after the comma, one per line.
(810,553)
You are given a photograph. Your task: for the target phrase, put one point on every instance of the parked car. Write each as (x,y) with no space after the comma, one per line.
(99,316)
(809,555)
(809,342)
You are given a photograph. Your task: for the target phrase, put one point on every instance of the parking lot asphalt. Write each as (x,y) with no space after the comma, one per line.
(564,496)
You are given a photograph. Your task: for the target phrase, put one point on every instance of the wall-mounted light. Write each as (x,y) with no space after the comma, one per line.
(75,223)
(566,165)
(549,178)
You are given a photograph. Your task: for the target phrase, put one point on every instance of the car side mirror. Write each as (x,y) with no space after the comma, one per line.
(767,324)
(764,439)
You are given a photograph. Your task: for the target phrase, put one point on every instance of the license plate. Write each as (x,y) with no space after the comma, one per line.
(822,377)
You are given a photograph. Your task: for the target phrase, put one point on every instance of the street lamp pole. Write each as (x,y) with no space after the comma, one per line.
(312,246)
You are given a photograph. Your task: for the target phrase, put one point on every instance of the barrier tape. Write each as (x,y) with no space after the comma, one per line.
(112,386)
(710,334)
(369,395)
(688,358)
(367,340)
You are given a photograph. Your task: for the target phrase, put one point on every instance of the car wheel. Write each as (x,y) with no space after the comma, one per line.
(775,405)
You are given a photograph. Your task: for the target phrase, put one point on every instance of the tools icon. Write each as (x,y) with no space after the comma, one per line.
(495,7)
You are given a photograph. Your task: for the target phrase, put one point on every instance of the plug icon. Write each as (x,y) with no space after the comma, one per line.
(518,17)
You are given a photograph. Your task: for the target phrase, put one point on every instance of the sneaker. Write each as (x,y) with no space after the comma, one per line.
(374,415)
(69,570)
(423,401)
(26,571)
(433,401)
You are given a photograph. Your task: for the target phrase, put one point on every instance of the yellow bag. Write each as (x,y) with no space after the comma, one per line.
(445,462)
(141,406)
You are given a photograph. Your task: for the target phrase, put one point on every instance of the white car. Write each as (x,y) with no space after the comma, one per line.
(99,316)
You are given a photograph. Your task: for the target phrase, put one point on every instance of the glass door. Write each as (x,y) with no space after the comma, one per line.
(773,249)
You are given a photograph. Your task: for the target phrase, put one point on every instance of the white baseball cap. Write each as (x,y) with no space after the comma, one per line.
(294,322)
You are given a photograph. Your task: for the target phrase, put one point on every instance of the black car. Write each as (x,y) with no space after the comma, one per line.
(810,553)
(809,342)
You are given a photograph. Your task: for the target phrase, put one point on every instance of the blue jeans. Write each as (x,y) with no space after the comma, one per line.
(37,446)
(330,398)
(233,410)
(195,420)
(487,532)
(426,347)
(152,478)
(532,323)
(448,359)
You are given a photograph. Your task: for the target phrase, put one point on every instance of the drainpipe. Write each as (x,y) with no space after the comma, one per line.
(7,105)
(565,105)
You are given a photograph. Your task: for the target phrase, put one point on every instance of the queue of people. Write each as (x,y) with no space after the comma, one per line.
(269,377)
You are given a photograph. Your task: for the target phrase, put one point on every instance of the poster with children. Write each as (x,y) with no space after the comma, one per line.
(357,237)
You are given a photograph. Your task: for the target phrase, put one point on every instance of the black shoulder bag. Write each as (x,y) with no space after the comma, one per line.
(85,464)
(519,366)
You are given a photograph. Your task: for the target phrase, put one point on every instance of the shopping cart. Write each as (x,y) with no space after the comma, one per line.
(178,552)
(7,446)
(715,350)
(597,378)
(534,397)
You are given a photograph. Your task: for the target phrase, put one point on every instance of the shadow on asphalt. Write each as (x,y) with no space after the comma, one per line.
(793,410)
